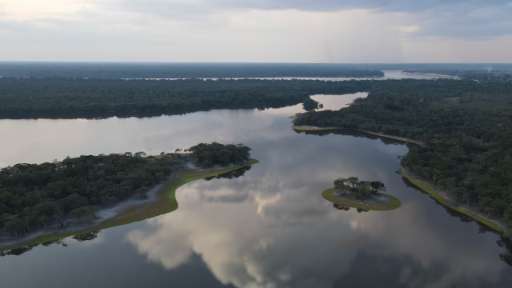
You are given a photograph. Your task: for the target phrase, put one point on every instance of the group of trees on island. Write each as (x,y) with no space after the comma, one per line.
(466,125)
(34,196)
(361,190)
(215,154)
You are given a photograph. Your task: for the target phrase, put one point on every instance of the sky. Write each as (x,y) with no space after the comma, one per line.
(330,31)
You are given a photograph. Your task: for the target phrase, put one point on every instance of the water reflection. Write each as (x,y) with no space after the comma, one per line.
(267,228)
(337,102)
(281,233)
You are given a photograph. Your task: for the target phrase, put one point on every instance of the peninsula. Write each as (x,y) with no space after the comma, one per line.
(50,201)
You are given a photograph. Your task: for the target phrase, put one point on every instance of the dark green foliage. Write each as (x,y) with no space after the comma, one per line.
(215,154)
(86,236)
(310,104)
(467,126)
(35,196)
(183,70)
(361,190)
(49,194)
(68,98)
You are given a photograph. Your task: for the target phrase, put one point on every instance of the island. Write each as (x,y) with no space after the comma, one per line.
(361,195)
(42,203)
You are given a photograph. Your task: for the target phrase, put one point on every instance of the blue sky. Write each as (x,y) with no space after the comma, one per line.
(257,30)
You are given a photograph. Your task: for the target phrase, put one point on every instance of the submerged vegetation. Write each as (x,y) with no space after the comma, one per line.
(362,195)
(68,193)
(466,129)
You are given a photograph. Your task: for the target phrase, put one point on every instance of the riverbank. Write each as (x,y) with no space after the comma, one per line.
(396,138)
(163,202)
(443,199)
(306,128)
(384,202)
(312,129)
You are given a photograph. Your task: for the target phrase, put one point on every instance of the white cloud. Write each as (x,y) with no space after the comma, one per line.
(23,10)
(260,31)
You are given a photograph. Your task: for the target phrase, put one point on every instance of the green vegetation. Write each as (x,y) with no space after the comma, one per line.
(60,194)
(165,203)
(465,126)
(433,192)
(183,70)
(208,155)
(360,190)
(68,193)
(344,203)
(308,129)
(95,98)
(362,195)
(310,105)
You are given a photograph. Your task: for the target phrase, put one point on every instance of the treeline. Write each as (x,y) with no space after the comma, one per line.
(182,70)
(58,194)
(215,154)
(467,126)
(33,196)
(68,98)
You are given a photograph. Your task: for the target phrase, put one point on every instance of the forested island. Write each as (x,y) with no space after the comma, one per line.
(362,195)
(58,196)
(466,129)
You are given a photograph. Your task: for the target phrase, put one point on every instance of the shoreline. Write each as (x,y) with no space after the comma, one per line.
(309,128)
(443,199)
(391,137)
(161,202)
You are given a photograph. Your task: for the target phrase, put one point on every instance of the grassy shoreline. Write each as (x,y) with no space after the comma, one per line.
(391,204)
(165,203)
(429,189)
(312,129)
(307,128)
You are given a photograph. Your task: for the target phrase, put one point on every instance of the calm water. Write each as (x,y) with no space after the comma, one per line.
(268,228)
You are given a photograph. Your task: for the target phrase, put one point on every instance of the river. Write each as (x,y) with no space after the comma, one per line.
(268,228)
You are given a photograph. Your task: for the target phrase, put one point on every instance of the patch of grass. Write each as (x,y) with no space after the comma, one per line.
(165,203)
(314,129)
(391,204)
(429,189)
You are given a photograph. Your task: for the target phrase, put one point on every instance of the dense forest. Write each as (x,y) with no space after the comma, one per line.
(467,126)
(68,98)
(209,155)
(57,194)
(181,70)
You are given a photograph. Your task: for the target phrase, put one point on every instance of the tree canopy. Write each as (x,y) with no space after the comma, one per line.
(35,196)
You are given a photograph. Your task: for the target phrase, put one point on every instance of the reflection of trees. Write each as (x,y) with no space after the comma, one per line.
(506,256)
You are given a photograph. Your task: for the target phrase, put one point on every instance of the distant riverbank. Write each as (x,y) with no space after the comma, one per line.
(162,201)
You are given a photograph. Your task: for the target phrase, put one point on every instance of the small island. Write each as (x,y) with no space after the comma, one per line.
(43,203)
(361,195)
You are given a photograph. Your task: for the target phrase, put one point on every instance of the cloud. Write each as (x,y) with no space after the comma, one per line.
(454,18)
(255,31)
